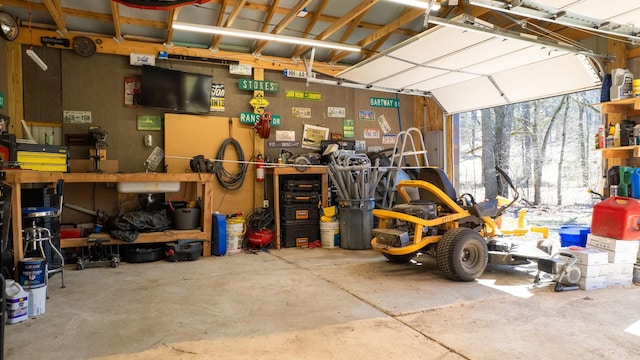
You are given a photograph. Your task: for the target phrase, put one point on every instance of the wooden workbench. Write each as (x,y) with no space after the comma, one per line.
(204,182)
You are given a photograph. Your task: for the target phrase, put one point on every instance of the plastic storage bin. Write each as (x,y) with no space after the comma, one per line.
(571,235)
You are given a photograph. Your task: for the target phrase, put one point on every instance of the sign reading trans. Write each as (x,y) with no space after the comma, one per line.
(384,102)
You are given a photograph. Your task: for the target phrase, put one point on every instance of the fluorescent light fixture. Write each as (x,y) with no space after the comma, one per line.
(427,5)
(256,35)
(37,59)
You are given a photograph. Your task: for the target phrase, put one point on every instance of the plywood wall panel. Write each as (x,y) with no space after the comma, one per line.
(189,135)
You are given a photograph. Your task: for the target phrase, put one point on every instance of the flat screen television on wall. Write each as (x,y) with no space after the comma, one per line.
(175,90)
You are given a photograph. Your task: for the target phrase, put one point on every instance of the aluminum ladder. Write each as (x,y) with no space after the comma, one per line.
(404,156)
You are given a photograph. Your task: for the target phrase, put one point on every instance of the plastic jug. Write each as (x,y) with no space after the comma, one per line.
(635,183)
(17,302)
(621,84)
(625,180)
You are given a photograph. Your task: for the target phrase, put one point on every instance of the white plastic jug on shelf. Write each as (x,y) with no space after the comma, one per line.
(621,84)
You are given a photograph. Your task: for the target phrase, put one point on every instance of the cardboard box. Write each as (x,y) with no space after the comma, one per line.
(593,270)
(593,283)
(614,270)
(622,257)
(620,280)
(611,244)
(588,256)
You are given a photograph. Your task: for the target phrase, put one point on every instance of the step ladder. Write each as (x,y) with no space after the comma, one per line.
(404,156)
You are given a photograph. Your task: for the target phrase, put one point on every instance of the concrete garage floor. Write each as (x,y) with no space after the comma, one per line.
(321,304)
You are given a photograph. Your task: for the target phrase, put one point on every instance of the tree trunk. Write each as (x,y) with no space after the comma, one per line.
(527,148)
(488,154)
(541,153)
(563,144)
(504,126)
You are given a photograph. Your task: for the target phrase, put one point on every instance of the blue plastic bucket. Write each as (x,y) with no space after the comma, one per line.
(573,235)
(32,272)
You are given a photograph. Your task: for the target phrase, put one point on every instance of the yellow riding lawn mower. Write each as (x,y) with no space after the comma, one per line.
(461,234)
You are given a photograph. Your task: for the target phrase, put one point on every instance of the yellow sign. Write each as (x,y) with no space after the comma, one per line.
(259,103)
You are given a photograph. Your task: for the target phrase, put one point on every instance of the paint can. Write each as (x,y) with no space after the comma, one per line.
(37,301)
(32,272)
(330,234)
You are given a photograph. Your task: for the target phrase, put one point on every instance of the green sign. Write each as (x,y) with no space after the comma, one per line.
(149,122)
(303,95)
(248,118)
(384,102)
(1,100)
(348,128)
(259,85)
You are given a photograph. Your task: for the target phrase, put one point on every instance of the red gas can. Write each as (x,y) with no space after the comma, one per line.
(617,217)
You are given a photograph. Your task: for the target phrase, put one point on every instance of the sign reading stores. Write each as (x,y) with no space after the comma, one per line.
(248,118)
(384,102)
(259,85)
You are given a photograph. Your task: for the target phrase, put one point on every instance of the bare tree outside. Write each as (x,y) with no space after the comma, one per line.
(545,145)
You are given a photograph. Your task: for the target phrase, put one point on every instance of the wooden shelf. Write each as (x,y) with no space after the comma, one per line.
(629,107)
(204,182)
(146,238)
(621,152)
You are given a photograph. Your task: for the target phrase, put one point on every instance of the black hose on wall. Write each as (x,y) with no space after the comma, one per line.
(230,180)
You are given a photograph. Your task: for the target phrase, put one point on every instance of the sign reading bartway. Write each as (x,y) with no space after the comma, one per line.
(258,85)
(248,118)
(384,102)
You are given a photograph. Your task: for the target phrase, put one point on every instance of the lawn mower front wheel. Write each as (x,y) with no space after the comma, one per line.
(462,254)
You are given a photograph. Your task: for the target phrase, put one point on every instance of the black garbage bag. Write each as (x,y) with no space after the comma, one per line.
(128,226)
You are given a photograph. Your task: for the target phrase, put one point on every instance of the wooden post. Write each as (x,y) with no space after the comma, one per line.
(258,148)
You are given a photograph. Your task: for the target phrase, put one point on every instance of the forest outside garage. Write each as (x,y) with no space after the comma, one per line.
(546,146)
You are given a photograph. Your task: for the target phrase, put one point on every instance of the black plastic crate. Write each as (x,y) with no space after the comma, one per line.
(296,211)
(302,185)
(299,233)
(300,197)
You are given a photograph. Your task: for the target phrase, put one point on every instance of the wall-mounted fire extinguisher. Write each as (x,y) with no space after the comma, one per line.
(259,168)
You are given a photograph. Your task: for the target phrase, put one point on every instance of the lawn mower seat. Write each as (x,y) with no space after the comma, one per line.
(437,177)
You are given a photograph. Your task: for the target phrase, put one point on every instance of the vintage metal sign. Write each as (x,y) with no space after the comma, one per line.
(259,85)
(298,74)
(76,117)
(248,118)
(217,97)
(303,95)
(259,104)
(384,102)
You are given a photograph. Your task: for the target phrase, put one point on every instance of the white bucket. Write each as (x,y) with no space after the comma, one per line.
(17,302)
(37,300)
(330,234)
(235,235)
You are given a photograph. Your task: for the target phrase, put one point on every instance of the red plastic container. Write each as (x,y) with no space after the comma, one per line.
(617,217)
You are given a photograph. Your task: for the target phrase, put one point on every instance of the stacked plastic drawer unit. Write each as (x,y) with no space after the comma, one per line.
(299,211)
